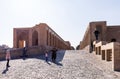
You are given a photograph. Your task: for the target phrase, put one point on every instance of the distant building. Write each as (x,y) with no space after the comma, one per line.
(103,40)
(106,33)
(39,35)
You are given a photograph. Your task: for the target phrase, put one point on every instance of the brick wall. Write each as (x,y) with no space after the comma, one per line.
(17,52)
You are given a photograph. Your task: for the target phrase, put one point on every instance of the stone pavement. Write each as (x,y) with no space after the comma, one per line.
(69,65)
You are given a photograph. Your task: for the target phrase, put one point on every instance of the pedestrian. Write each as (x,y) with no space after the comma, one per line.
(91,47)
(54,50)
(8,57)
(46,56)
(24,52)
(96,33)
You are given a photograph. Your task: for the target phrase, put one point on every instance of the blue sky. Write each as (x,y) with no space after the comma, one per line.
(69,18)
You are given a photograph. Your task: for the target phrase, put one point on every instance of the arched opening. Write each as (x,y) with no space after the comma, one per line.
(113,40)
(97,32)
(22,40)
(35,38)
(22,43)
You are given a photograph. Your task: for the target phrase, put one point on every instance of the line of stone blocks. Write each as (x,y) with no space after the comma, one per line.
(108,52)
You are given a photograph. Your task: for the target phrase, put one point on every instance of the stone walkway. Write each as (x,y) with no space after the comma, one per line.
(70,65)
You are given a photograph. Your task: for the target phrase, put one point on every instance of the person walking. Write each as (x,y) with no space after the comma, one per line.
(54,50)
(24,52)
(46,56)
(8,57)
(96,33)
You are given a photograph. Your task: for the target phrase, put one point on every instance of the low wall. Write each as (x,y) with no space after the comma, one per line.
(17,52)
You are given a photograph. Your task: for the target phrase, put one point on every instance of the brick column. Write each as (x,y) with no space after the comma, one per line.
(14,38)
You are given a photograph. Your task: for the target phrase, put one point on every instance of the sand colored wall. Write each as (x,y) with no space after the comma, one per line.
(20,34)
(89,36)
(110,52)
(107,33)
(113,32)
(104,46)
(39,35)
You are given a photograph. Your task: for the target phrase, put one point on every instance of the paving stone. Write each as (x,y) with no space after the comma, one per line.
(69,65)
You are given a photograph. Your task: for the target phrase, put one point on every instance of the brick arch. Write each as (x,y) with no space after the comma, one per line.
(22,36)
(22,39)
(35,38)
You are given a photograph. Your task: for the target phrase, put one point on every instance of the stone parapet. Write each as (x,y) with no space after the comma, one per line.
(98,46)
(111,52)
(18,52)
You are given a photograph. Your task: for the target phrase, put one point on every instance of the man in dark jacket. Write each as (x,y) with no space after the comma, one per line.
(54,50)
(96,32)
(24,52)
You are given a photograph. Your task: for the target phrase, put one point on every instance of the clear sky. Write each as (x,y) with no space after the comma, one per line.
(69,18)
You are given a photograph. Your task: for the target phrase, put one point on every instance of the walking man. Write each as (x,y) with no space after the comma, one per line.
(8,57)
(54,50)
(96,32)
(24,52)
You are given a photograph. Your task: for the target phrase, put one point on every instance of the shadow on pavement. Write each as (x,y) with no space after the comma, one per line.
(48,63)
(60,55)
(4,71)
(59,58)
(59,64)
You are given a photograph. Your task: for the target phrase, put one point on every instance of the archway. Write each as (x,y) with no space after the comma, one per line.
(98,32)
(22,39)
(35,38)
